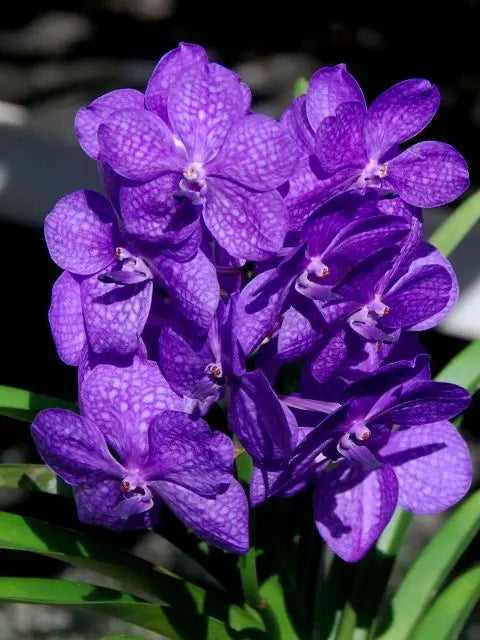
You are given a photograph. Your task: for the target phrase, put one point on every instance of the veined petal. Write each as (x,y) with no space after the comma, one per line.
(257,417)
(168,72)
(186,249)
(203,104)
(305,192)
(258,309)
(114,314)
(398,114)
(151,212)
(420,297)
(73,446)
(122,402)
(428,255)
(330,355)
(89,119)
(258,152)
(297,334)
(183,364)
(221,520)
(432,465)
(428,174)
(66,319)
(328,88)
(421,402)
(352,507)
(365,278)
(192,287)
(294,118)
(248,225)
(138,145)
(340,139)
(79,232)
(185,451)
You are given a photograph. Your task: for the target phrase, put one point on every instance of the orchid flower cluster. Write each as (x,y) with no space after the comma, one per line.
(226,246)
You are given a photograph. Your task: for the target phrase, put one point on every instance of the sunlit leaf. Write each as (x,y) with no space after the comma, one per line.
(24,405)
(133,574)
(173,623)
(273,592)
(448,614)
(449,235)
(464,368)
(32,477)
(121,637)
(430,569)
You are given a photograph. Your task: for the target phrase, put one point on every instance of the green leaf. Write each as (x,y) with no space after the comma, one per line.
(449,235)
(448,614)
(121,637)
(24,405)
(300,87)
(32,477)
(272,591)
(464,368)
(136,575)
(430,569)
(175,624)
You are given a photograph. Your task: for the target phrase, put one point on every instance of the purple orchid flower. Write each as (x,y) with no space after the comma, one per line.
(161,456)
(104,296)
(338,237)
(390,443)
(393,289)
(204,370)
(105,292)
(387,293)
(193,136)
(347,146)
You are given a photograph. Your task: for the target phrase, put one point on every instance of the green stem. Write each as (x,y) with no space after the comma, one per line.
(248,574)
(247,565)
(348,622)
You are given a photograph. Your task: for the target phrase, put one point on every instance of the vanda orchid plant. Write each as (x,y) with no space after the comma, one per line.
(243,304)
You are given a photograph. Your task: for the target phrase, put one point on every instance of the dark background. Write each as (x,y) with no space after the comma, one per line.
(56,56)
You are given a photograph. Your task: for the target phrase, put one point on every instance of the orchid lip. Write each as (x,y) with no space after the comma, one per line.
(378,307)
(132,270)
(214,369)
(317,267)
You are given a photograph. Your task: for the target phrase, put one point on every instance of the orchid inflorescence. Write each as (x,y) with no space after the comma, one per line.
(228,245)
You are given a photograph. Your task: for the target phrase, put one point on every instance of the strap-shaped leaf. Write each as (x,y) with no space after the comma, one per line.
(135,575)
(430,569)
(464,368)
(24,405)
(173,623)
(449,235)
(121,637)
(32,477)
(273,592)
(448,614)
